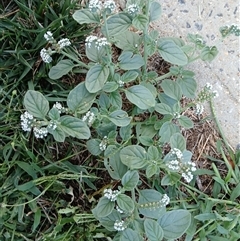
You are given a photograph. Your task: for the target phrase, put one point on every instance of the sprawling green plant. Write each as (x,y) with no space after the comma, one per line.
(127,113)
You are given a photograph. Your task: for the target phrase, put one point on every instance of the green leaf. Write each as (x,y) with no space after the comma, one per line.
(36,104)
(188,86)
(125,132)
(208,53)
(153,230)
(235,193)
(74,127)
(54,114)
(115,99)
(140,21)
(151,170)
(178,141)
(94,53)
(172,53)
(93,146)
(130,61)
(206,217)
(37,219)
(79,99)
(119,118)
(185,122)
(27,168)
(128,41)
(140,96)
(130,180)
(155,11)
(167,130)
(175,223)
(110,87)
(130,235)
(113,164)
(118,23)
(133,156)
(172,89)
(58,134)
(86,16)
(125,203)
(129,76)
(163,109)
(145,140)
(104,207)
(62,68)
(148,203)
(96,78)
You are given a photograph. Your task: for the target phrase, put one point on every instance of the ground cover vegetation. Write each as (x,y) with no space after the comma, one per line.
(103,135)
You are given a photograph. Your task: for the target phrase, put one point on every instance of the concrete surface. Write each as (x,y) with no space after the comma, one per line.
(204,17)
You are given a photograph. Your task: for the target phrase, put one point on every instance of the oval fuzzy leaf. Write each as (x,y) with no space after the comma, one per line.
(163,109)
(79,99)
(96,78)
(130,235)
(93,146)
(130,61)
(208,53)
(188,86)
(36,104)
(119,118)
(175,223)
(94,53)
(74,127)
(172,89)
(178,141)
(167,130)
(62,68)
(86,16)
(140,21)
(185,122)
(125,203)
(104,207)
(151,170)
(172,53)
(133,156)
(140,96)
(153,230)
(129,76)
(118,23)
(130,180)
(155,11)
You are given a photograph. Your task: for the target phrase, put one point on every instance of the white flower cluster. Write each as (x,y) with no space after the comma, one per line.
(99,42)
(185,168)
(133,9)
(64,42)
(111,195)
(94,5)
(103,144)
(49,36)
(119,225)
(26,121)
(40,132)
(46,55)
(121,83)
(60,108)
(52,125)
(89,118)
(109,5)
(119,209)
(207,93)
(177,115)
(199,109)
(165,200)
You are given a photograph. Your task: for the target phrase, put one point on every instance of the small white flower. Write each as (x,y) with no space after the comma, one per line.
(52,125)
(111,195)
(101,42)
(119,225)
(103,144)
(177,115)
(26,121)
(45,55)
(49,36)
(164,201)
(208,86)
(215,94)
(119,209)
(199,109)
(40,132)
(64,42)
(94,5)
(109,5)
(59,107)
(89,118)
(133,9)
(121,83)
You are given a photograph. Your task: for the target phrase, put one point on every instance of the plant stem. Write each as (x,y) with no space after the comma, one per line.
(76,60)
(145,33)
(162,77)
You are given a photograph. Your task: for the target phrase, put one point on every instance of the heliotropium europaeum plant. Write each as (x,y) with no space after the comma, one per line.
(96,110)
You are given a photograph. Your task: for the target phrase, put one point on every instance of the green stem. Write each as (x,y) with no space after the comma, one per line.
(145,34)
(80,63)
(162,77)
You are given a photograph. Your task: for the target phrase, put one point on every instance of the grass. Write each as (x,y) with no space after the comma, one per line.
(47,189)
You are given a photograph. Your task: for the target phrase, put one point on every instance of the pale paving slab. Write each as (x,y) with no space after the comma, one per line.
(203,17)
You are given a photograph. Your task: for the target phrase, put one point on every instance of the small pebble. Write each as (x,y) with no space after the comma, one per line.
(188,25)
(198,26)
